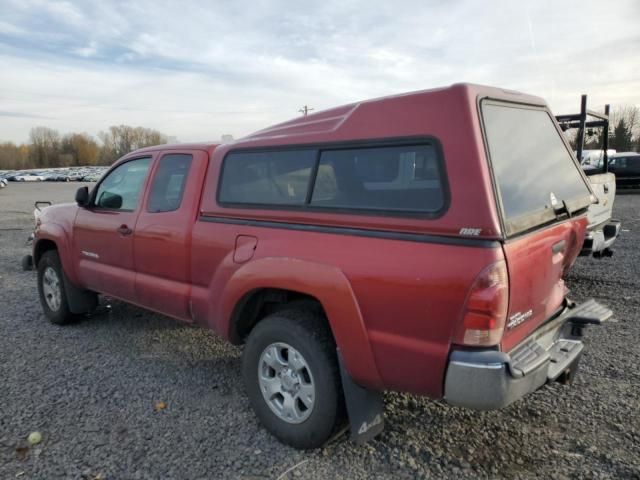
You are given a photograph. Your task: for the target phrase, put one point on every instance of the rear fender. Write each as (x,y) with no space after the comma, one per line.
(327,284)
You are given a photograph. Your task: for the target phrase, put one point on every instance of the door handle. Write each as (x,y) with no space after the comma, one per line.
(124,230)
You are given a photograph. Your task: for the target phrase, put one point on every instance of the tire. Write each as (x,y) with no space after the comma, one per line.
(51,289)
(305,338)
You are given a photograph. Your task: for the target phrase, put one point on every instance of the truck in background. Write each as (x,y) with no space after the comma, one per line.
(603,230)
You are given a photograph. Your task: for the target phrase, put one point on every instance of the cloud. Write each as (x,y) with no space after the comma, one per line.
(20,115)
(64,12)
(87,51)
(197,70)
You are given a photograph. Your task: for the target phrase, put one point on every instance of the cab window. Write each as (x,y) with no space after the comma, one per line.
(169,183)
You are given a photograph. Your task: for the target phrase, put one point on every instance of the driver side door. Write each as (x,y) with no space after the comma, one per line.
(103,231)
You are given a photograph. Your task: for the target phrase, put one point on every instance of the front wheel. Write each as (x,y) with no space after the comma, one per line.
(51,289)
(291,375)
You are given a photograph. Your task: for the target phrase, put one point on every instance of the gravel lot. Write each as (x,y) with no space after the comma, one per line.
(92,389)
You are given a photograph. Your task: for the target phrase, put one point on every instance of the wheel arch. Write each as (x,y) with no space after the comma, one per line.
(42,246)
(261,302)
(282,281)
(52,235)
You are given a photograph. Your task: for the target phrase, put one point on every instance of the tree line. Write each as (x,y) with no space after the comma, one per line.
(46,148)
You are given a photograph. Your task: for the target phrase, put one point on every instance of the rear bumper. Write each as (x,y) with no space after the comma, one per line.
(598,242)
(489,379)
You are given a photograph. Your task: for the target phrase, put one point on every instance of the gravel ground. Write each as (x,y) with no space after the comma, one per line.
(92,390)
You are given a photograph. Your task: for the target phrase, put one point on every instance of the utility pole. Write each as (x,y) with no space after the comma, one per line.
(305,110)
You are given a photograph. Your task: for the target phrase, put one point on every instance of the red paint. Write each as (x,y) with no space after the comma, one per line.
(393,305)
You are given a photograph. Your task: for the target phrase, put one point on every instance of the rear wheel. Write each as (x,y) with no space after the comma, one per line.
(51,289)
(291,375)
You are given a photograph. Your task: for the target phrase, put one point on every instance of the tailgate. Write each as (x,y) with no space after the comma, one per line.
(536,263)
(543,197)
(604,188)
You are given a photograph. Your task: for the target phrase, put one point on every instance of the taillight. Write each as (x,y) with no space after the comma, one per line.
(485,311)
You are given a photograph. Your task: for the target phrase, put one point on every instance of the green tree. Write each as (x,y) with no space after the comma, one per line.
(622,138)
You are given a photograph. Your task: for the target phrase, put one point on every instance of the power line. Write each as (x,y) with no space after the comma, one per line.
(305,110)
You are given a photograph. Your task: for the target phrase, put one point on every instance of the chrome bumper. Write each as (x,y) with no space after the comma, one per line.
(489,379)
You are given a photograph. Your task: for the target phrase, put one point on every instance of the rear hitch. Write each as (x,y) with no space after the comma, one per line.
(570,373)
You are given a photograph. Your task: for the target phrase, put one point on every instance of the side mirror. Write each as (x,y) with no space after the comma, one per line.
(82,196)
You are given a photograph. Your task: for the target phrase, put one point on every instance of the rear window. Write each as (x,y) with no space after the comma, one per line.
(394,178)
(533,169)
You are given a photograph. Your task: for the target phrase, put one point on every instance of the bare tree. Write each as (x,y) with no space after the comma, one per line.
(79,149)
(122,139)
(14,157)
(44,146)
(47,149)
(624,131)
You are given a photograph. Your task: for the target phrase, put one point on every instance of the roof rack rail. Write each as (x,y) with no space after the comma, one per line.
(580,121)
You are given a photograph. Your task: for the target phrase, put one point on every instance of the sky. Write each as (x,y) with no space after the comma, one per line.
(196,70)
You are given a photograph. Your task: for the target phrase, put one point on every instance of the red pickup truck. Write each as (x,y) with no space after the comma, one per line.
(413,243)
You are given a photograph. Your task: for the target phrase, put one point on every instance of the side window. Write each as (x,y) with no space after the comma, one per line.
(269,178)
(168,183)
(394,178)
(121,188)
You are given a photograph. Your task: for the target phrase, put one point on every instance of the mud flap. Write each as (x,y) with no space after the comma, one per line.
(80,301)
(365,408)
(27,263)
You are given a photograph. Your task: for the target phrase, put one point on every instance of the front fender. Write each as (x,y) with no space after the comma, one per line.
(326,283)
(55,233)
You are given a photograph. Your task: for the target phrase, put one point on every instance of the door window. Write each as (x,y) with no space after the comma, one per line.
(120,189)
(169,183)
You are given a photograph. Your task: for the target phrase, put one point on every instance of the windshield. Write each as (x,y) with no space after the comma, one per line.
(533,169)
